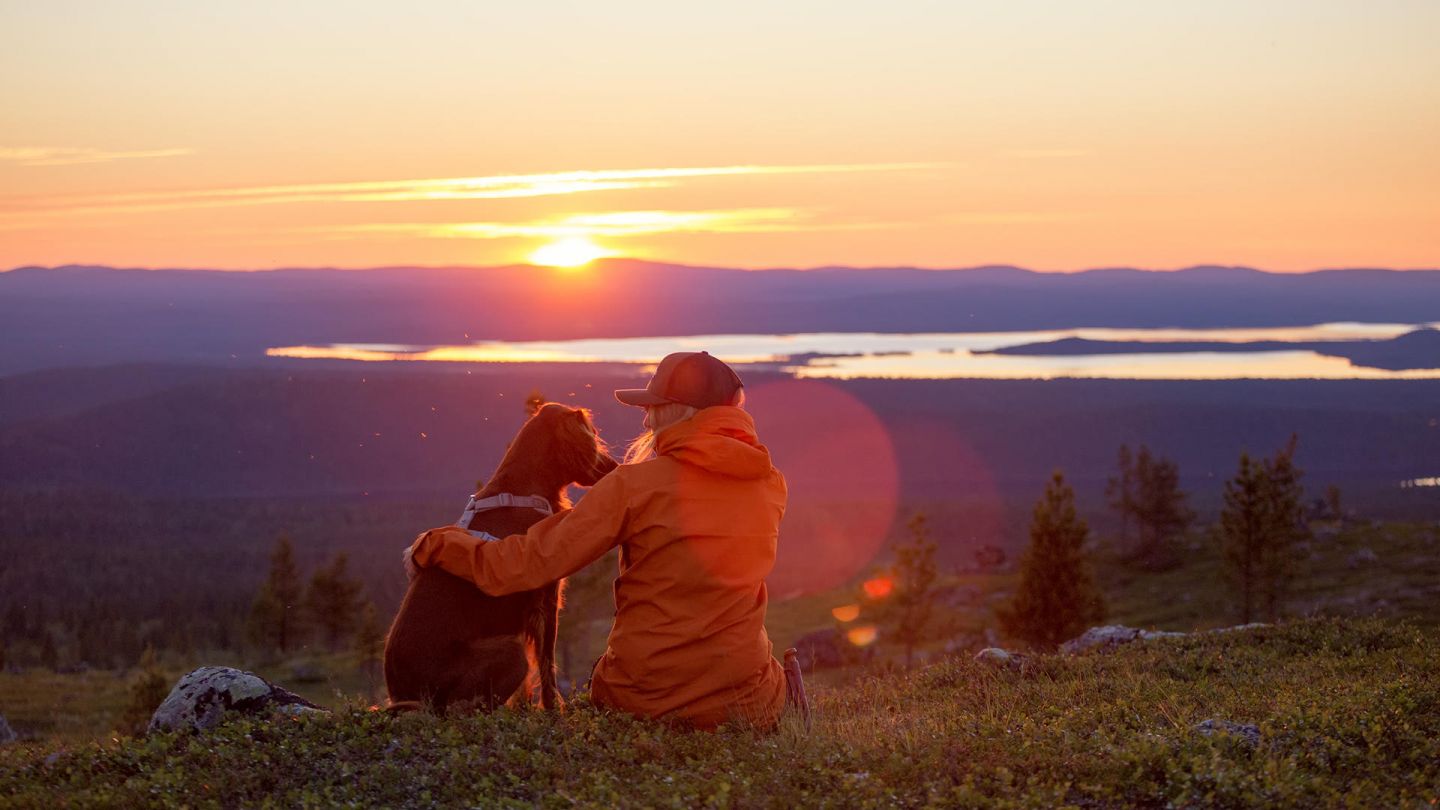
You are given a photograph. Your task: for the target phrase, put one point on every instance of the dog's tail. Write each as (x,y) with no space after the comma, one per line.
(404,706)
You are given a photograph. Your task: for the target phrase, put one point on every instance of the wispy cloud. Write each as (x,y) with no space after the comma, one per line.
(419,190)
(71,155)
(616,224)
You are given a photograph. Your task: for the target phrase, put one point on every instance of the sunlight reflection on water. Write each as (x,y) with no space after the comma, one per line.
(928,355)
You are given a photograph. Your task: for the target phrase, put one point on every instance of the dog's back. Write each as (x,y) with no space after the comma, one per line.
(443,617)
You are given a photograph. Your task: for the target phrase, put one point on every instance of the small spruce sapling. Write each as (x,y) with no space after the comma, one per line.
(1057,598)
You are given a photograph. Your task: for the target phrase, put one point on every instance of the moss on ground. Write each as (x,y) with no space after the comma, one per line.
(1348,712)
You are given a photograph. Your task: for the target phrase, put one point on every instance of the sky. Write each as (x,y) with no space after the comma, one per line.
(1278,134)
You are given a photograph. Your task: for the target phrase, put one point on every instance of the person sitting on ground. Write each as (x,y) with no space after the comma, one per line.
(696,512)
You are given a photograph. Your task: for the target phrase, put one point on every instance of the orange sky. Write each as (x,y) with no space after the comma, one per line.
(1285,135)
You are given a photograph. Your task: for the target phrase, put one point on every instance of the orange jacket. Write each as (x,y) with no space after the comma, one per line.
(697,526)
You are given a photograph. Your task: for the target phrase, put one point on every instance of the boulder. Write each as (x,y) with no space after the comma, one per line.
(999,657)
(1244,732)
(1112,635)
(7,734)
(202,698)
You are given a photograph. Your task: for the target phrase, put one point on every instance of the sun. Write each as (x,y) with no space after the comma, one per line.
(571,252)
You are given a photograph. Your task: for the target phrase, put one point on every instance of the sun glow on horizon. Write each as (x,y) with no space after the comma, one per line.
(569,253)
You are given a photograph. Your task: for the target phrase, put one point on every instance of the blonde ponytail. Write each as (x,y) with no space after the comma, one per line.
(661,417)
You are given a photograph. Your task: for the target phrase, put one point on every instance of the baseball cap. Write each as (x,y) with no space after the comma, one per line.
(689,378)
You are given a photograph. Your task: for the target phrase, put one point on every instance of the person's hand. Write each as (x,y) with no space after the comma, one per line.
(408,556)
(412,565)
(428,547)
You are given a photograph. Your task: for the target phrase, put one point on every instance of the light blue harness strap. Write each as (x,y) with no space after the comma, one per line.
(503,500)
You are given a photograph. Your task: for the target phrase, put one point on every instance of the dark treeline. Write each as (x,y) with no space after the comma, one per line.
(91,579)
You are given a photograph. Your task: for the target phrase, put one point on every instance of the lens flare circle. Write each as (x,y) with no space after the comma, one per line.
(844,483)
(879,587)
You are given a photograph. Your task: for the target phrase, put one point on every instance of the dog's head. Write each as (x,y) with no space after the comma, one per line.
(566,437)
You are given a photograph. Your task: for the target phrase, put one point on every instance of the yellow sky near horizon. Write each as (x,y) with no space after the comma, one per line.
(1284,135)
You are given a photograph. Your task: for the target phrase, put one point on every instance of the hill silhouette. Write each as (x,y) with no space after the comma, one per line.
(84,315)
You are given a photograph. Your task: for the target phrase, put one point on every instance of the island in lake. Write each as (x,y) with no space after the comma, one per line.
(1419,349)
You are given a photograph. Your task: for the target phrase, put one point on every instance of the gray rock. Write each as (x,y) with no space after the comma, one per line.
(7,734)
(1232,629)
(1245,732)
(202,698)
(1112,635)
(999,657)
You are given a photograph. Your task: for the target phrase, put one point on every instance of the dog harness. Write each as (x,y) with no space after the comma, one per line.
(502,501)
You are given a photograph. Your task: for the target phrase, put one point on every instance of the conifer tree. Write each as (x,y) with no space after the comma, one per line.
(1260,526)
(1285,509)
(1159,508)
(1120,491)
(909,609)
(1242,529)
(275,617)
(333,600)
(1057,599)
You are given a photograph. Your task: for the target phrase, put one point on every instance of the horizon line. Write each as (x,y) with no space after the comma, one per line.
(681,265)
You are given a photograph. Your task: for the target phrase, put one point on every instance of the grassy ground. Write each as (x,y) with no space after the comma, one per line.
(1334,578)
(80,707)
(1348,713)
(63,707)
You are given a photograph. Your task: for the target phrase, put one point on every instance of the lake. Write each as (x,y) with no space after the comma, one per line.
(929,355)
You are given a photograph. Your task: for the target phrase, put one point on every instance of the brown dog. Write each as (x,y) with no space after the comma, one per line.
(451,643)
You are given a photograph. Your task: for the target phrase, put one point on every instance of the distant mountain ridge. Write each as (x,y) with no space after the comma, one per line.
(994,269)
(90,315)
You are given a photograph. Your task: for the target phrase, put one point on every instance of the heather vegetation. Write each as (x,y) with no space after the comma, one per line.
(1343,712)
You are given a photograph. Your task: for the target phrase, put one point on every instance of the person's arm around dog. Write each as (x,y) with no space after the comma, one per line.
(552,549)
